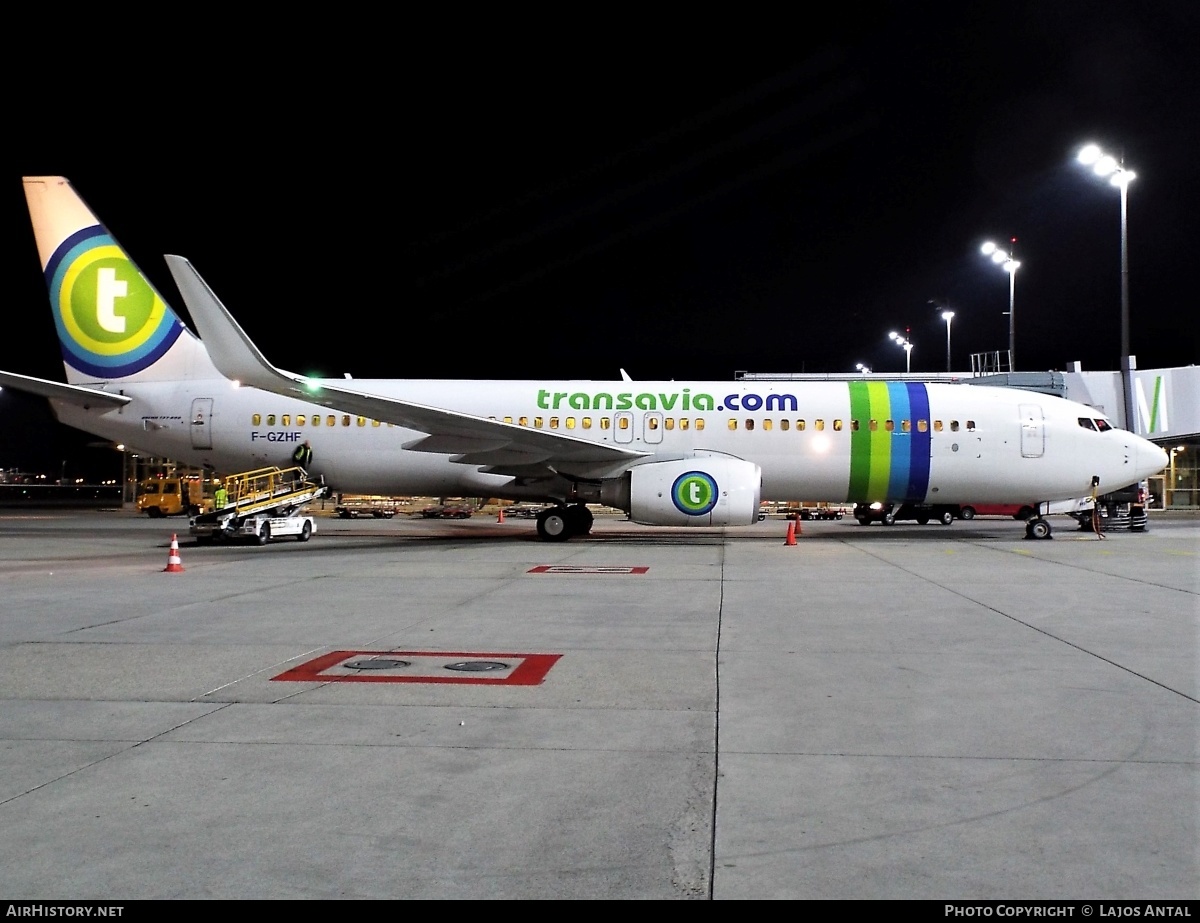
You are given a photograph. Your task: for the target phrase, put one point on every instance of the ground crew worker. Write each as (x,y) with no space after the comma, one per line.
(303,455)
(220,497)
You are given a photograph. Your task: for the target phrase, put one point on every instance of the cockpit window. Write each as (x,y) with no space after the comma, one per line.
(1103,425)
(1087,423)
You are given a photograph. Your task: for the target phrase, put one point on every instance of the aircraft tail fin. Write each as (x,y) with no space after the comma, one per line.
(112,324)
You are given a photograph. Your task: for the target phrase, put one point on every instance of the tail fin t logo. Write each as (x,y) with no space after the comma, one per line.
(108,290)
(111,322)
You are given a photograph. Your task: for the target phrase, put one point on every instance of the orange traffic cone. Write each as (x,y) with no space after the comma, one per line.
(500,518)
(799,528)
(791,533)
(174,564)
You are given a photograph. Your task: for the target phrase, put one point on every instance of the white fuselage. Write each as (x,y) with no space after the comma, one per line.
(812,440)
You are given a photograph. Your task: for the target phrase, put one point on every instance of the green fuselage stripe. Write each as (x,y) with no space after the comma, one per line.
(881,439)
(870,452)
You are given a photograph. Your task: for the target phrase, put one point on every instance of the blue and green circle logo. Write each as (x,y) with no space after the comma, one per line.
(694,493)
(110,322)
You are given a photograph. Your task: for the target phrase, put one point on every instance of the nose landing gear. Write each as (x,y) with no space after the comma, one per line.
(1037,528)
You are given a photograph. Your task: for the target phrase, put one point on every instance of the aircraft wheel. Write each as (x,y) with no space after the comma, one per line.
(946,517)
(579,519)
(889,518)
(305,533)
(552,525)
(264,534)
(1037,528)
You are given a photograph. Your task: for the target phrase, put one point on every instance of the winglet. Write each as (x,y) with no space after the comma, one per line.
(231,350)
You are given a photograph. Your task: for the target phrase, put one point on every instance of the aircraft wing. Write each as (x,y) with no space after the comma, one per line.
(87,398)
(501,448)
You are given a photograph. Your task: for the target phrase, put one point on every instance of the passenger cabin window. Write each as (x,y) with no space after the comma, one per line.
(889,425)
(954,426)
(837,426)
(750,424)
(800,424)
(554,422)
(346,419)
(270,419)
(331,420)
(784,424)
(522,421)
(970,426)
(732,424)
(652,423)
(767,423)
(873,425)
(362,421)
(937,426)
(286,419)
(587,422)
(906,426)
(624,423)
(922,426)
(256,420)
(669,422)
(699,422)
(605,423)
(683,424)
(818,425)
(299,419)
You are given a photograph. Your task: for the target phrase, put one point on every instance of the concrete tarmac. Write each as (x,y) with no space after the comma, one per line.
(422,709)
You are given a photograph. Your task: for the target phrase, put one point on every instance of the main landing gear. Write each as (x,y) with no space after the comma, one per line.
(1037,528)
(559,523)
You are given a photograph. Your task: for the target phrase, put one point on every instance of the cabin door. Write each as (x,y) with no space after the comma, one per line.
(1033,431)
(202,423)
(623,426)
(652,424)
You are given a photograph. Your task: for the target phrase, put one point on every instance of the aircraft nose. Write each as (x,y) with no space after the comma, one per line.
(1151,459)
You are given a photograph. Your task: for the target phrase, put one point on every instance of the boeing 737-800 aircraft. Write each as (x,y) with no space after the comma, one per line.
(674,453)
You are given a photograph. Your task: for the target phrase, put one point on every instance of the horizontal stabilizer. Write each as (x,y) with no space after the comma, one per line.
(77,395)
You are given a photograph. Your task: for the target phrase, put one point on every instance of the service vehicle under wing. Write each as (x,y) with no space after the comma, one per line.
(261,505)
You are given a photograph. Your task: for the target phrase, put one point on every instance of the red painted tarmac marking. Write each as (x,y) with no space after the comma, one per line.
(422,667)
(581,569)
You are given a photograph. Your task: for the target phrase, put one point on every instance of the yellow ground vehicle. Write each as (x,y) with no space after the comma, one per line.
(174,496)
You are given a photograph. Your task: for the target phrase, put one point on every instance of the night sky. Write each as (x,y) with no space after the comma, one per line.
(469,198)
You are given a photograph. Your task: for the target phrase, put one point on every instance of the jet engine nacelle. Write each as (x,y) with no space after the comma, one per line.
(708,491)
